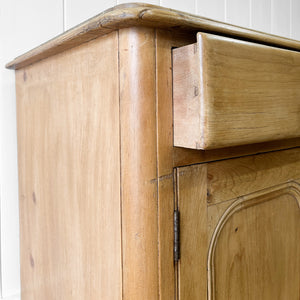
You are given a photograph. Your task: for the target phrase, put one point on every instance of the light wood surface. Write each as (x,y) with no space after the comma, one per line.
(252,249)
(232,178)
(229,92)
(185,156)
(69,174)
(255,250)
(214,214)
(166,237)
(191,184)
(96,166)
(137,14)
(138,163)
(165,41)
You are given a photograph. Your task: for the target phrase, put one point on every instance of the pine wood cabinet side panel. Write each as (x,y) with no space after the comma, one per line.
(138,163)
(69,174)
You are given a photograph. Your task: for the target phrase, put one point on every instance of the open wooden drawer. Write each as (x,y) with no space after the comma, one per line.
(230,92)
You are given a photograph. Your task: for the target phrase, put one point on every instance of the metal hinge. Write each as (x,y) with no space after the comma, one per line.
(176,235)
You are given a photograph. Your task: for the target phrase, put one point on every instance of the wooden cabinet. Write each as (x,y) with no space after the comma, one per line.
(100,177)
(241,223)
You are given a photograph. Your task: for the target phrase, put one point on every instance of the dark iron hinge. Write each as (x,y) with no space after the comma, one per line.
(176,235)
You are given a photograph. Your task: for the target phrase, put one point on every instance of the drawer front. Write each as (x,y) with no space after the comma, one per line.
(229,92)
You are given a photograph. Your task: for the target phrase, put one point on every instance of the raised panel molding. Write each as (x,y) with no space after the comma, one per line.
(290,192)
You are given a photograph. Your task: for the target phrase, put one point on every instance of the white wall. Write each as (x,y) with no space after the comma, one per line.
(25,24)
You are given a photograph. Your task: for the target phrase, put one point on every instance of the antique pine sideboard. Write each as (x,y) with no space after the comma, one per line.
(158,159)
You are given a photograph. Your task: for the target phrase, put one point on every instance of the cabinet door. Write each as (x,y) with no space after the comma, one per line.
(240,228)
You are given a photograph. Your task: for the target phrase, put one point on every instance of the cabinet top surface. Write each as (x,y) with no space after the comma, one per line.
(137,14)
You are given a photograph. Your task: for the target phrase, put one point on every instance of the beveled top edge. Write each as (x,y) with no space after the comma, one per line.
(139,14)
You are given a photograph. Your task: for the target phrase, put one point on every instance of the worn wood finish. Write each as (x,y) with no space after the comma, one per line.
(136,14)
(255,250)
(69,174)
(232,178)
(138,163)
(229,92)
(192,205)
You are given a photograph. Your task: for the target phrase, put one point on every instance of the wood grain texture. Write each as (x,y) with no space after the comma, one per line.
(136,14)
(252,249)
(214,214)
(165,41)
(232,178)
(191,183)
(229,92)
(138,163)
(189,98)
(255,250)
(166,237)
(69,174)
(185,156)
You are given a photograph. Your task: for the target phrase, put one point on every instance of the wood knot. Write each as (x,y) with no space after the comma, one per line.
(210,176)
(34,198)
(31,261)
(196,91)
(208,194)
